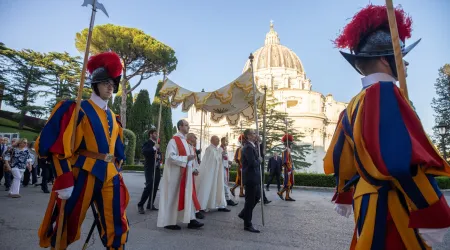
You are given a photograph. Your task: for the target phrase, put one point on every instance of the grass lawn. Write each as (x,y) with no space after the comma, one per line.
(22,133)
(6,122)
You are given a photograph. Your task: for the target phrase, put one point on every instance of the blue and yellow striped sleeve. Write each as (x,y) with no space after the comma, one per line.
(55,141)
(339,160)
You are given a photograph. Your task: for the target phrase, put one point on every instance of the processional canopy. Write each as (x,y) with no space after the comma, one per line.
(233,101)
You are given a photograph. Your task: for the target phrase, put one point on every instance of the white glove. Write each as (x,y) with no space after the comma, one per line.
(343,209)
(432,235)
(64,194)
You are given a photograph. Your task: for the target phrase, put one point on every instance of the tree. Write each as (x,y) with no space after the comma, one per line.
(142,55)
(3,69)
(130,144)
(166,132)
(110,103)
(118,102)
(276,129)
(141,119)
(63,75)
(23,76)
(441,106)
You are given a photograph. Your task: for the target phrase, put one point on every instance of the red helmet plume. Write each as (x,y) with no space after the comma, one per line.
(108,60)
(368,20)
(288,137)
(241,138)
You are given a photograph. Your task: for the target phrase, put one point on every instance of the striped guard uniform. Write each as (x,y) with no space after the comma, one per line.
(288,174)
(385,165)
(238,182)
(95,182)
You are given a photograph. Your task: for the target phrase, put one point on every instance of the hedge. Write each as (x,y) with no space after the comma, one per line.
(130,148)
(304,179)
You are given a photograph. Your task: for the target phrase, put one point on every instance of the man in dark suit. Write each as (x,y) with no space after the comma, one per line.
(274,169)
(150,150)
(251,172)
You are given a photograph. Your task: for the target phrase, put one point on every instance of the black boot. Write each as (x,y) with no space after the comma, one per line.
(251,229)
(231,203)
(266,201)
(141,209)
(173,227)
(195,224)
(199,215)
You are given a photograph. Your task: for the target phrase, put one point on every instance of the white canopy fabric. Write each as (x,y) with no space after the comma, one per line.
(233,101)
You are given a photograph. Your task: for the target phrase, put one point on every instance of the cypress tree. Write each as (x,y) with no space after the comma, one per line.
(166,132)
(141,119)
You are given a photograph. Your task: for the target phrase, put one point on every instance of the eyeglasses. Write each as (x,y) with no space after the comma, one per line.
(109,83)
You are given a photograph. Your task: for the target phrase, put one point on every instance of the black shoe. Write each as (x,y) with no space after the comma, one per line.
(154,208)
(141,209)
(199,215)
(290,199)
(232,192)
(231,203)
(195,224)
(280,195)
(251,229)
(173,227)
(7,189)
(224,210)
(267,202)
(45,191)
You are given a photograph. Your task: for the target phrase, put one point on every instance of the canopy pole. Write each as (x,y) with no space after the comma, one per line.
(255,108)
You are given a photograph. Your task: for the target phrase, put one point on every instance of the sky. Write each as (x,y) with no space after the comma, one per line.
(212,39)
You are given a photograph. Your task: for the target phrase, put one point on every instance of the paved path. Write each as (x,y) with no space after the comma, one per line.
(308,223)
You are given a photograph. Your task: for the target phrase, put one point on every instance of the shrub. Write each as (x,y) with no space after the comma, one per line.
(133,167)
(443,182)
(130,148)
(303,179)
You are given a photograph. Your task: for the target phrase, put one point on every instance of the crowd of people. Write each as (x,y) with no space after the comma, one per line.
(382,159)
(190,188)
(19,164)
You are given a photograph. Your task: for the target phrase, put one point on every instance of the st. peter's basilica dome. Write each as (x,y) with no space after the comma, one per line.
(274,55)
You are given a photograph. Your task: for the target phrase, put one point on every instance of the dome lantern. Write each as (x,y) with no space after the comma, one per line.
(272,36)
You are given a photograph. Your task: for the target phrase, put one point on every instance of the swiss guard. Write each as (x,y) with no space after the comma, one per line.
(237,159)
(383,161)
(89,175)
(286,159)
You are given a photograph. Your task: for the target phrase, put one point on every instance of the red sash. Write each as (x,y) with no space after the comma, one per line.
(181,196)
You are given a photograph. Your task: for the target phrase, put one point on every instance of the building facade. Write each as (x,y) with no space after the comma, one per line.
(280,70)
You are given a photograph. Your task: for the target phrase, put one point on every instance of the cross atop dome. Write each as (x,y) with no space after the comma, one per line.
(272,36)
